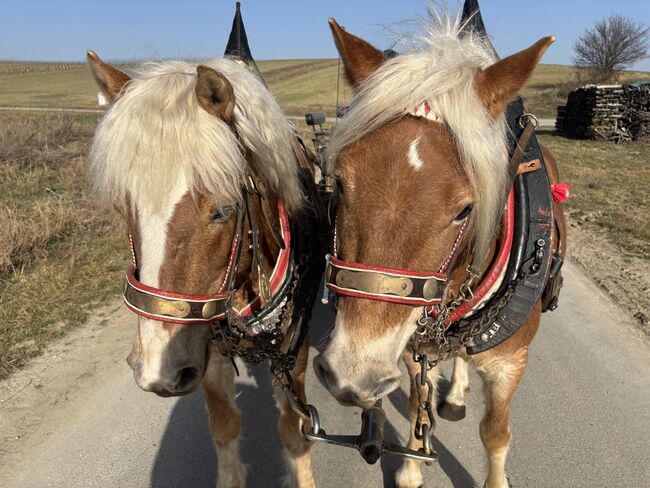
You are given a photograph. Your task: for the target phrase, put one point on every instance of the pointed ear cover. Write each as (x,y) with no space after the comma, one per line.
(111,81)
(498,84)
(214,93)
(360,59)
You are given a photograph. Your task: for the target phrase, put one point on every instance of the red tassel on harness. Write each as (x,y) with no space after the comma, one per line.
(560,192)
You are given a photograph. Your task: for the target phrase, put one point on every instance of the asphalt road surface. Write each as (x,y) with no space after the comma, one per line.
(581,417)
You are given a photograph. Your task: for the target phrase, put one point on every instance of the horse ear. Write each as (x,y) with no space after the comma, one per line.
(360,59)
(111,81)
(215,93)
(498,84)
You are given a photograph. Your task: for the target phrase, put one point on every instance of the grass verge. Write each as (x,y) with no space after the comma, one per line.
(609,189)
(60,255)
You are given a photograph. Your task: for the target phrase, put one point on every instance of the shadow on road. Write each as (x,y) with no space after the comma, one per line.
(451,466)
(186,456)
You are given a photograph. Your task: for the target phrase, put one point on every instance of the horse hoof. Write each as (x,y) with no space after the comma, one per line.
(451,412)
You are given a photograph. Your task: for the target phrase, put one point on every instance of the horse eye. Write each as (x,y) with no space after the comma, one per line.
(464,213)
(222,214)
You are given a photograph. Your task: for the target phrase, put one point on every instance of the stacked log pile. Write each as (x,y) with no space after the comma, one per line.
(638,115)
(611,112)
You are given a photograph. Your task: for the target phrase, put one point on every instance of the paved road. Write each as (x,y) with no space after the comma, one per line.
(581,417)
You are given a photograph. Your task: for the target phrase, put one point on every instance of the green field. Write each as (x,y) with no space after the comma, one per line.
(300,85)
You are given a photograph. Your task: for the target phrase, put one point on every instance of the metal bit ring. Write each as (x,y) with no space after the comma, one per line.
(314,419)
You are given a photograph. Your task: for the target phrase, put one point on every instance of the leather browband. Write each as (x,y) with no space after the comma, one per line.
(181,308)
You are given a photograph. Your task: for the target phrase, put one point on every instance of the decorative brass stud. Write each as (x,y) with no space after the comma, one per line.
(209,310)
(430,289)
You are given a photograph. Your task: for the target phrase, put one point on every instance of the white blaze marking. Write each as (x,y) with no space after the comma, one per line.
(153,236)
(153,240)
(414,157)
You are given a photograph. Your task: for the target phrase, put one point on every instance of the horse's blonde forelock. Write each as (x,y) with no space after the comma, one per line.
(439,67)
(157,136)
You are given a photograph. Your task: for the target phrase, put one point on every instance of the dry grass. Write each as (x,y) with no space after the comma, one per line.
(300,85)
(60,255)
(609,189)
(608,210)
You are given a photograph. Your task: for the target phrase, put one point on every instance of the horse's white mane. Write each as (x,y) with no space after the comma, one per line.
(439,66)
(157,136)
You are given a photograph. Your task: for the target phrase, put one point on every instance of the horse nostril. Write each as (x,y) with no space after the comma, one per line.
(186,378)
(323,372)
(385,386)
(349,397)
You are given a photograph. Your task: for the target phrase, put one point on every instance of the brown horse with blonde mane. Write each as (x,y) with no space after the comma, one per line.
(207,174)
(425,227)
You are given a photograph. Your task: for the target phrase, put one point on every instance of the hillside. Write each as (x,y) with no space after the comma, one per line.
(300,85)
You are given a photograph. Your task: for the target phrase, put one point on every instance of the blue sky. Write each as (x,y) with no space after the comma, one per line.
(63,30)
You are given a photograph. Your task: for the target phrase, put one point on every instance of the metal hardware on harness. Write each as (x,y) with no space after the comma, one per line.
(526,118)
(325,299)
(370,442)
(430,330)
(423,430)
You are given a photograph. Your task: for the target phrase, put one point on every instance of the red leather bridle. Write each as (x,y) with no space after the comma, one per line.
(402,286)
(418,288)
(183,308)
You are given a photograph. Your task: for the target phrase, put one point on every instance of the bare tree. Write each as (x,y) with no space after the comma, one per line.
(613,44)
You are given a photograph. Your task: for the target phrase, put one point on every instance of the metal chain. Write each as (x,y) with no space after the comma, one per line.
(228,339)
(433,331)
(423,430)
(479,324)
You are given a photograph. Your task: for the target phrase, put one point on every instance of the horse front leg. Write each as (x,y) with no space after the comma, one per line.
(225,420)
(409,475)
(501,369)
(454,407)
(501,376)
(297,448)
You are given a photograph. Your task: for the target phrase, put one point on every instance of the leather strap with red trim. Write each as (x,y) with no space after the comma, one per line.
(166,306)
(405,287)
(384,284)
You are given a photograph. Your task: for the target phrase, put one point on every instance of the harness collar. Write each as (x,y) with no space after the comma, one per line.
(182,308)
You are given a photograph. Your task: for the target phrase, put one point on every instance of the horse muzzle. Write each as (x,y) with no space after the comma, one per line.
(163,379)
(362,391)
